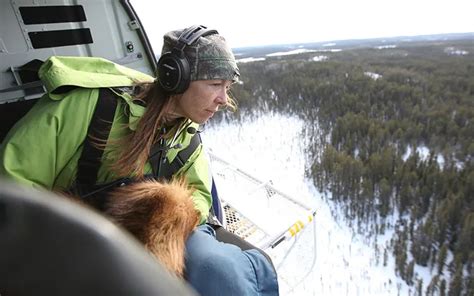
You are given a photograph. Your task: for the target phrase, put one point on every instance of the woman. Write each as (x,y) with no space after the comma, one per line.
(195,72)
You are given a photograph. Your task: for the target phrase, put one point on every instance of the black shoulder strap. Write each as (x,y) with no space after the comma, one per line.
(166,169)
(98,132)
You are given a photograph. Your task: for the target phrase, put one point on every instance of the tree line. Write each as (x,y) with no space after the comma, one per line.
(391,131)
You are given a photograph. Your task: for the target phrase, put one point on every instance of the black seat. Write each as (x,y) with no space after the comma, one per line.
(52,246)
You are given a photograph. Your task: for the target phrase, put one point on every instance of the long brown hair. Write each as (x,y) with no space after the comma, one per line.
(136,146)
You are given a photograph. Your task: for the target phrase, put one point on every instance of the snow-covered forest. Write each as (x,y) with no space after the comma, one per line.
(271,146)
(381,139)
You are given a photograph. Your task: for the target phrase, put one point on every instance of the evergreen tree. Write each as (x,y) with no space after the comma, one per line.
(442,288)
(443,253)
(433,287)
(455,287)
(419,287)
(410,273)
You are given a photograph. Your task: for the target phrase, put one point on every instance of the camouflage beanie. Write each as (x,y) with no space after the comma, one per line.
(209,57)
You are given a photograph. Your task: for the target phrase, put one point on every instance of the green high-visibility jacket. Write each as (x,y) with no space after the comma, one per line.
(43,148)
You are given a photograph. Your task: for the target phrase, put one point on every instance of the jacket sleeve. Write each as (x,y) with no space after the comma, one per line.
(198,175)
(46,139)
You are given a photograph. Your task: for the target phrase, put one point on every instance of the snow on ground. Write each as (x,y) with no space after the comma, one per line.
(373,75)
(301,50)
(455,51)
(295,51)
(320,58)
(249,60)
(386,46)
(271,148)
(423,152)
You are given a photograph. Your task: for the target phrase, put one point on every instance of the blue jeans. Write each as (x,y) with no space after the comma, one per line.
(217,268)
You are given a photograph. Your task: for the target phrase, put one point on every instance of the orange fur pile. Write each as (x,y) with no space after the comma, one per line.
(160,215)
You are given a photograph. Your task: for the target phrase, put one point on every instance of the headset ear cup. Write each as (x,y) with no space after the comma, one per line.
(185,77)
(173,73)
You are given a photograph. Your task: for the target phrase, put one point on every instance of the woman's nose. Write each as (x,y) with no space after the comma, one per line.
(222,96)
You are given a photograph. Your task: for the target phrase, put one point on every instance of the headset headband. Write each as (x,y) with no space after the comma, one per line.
(190,35)
(174,73)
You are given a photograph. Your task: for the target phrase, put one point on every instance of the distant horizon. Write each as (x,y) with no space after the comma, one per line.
(356,39)
(244,50)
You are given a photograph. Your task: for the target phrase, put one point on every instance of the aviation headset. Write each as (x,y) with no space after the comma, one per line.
(174,73)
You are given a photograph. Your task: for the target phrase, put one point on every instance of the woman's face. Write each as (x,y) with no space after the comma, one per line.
(201,100)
